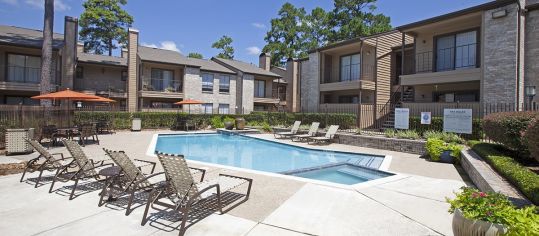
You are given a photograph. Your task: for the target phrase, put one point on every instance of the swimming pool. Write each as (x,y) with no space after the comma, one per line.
(262,155)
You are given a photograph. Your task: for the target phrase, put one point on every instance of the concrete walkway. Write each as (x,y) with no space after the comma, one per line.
(411,204)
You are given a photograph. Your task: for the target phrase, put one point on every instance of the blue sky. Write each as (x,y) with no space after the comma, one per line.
(192,26)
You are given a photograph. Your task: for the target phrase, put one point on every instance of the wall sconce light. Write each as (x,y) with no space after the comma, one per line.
(530,92)
(499,14)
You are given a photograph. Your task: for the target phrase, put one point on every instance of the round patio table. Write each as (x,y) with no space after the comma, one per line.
(112,175)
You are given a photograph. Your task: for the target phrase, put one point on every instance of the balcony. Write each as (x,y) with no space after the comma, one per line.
(161,88)
(19,78)
(359,78)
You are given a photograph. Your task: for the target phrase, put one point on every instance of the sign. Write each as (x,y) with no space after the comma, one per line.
(402,118)
(458,121)
(426,118)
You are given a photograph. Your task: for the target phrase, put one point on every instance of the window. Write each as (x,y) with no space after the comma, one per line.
(259,108)
(350,67)
(224,109)
(124,75)
(24,69)
(12,100)
(207,82)
(349,99)
(79,73)
(260,88)
(164,105)
(224,84)
(456,51)
(207,108)
(162,80)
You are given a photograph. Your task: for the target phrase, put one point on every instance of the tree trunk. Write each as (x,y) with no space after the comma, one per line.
(46,51)
(110,47)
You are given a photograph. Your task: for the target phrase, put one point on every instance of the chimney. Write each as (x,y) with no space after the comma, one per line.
(264,61)
(132,70)
(125,52)
(292,87)
(80,47)
(69,51)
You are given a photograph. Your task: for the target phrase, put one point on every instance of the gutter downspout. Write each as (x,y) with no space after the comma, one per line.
(360,77)
(519,27)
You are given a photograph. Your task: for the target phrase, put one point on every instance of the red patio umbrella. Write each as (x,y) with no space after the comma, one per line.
(189,102)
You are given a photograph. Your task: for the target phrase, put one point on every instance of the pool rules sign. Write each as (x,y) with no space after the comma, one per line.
(458,121)
(402,118)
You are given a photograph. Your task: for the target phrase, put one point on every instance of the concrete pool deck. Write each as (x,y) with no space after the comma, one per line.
(413,204)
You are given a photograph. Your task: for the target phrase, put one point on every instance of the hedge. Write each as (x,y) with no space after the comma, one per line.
(507,128)
(531,139)
(160,120)
(521,177)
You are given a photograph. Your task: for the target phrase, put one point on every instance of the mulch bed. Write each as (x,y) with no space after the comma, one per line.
(11,168)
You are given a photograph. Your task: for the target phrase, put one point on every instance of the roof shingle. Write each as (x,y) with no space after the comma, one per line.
(245,67)
(18,36)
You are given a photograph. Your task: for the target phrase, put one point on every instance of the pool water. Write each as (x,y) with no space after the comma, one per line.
(262,155)
(342,174)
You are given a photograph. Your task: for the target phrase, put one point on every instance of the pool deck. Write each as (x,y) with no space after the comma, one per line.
(411,203)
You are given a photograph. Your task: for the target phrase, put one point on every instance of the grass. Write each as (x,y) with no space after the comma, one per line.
(499,158)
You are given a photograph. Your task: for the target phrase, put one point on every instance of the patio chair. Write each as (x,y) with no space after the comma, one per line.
(48,132)
(292,131)
(87,131)
(183,193)
(312,132)
(133,180)
(85,168)
(45,161)
(327,138)
(103,126)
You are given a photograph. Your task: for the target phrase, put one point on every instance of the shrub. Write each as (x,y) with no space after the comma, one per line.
(436,147)
(507,128)
(217,122)
(407,134)
(521,177)
(446,137)
(390,133)
(495,208)
(531,139)
(266,127)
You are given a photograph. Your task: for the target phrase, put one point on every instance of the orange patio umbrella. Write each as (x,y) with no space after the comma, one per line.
(100,99)
(189,102)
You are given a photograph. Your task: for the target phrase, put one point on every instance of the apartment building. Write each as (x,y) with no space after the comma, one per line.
(140,79)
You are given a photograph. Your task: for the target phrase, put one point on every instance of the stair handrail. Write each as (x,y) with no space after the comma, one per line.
(391,98)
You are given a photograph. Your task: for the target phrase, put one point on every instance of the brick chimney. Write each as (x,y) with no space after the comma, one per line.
(264,61)
(125,53)
(132,70)
(80,47)
(292,88)
(69,51)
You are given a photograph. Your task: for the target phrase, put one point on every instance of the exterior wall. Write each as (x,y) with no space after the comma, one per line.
(247,93)
(100,78)
(499,60)
(367,97)
(424,93)
(531,61)
(193,89)
(310,83)
(292,87)
(132,72)
(69,51)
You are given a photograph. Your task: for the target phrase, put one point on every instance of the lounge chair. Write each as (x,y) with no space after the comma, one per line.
(292,131)
(86,168)
(182,193)
(327,138)
(133,180)
(312,132)
(45,161)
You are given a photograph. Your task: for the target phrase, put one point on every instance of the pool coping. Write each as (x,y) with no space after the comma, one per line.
(385,164)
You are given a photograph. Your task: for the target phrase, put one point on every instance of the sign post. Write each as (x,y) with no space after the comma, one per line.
(458,121)
(426,118)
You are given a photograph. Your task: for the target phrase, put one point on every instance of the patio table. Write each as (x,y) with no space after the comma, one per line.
(113,175)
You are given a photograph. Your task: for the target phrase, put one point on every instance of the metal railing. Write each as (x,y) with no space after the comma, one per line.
(357,72)
(451,58)
(423,62)
(162,85)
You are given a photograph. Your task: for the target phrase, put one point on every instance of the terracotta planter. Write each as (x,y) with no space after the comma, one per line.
(229,125)
(240,123)
(464,227)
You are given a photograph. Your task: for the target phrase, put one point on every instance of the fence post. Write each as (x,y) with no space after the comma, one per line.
(20,115)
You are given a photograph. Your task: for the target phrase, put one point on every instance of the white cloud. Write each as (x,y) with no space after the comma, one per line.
(167,45)
(10,2)
(259,25)
(253,50)
(59,5)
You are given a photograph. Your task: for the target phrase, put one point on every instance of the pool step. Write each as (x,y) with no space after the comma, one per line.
(352,173)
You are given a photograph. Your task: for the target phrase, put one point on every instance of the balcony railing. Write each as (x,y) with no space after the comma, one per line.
(357,72)
(445,59)
(281,95)
(21,74)
(162,85)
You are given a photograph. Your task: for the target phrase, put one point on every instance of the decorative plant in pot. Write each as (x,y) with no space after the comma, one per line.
(480,213)
(240,123)
(229,123)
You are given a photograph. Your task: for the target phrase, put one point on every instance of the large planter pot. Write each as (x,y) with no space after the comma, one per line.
(240,123)
(229,125)
(464,227)
(446,157)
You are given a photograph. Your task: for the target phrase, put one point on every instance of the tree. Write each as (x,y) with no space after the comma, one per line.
(285,38)
(195,55)
(103,25)
(46,51)
(316,29)
(355,18)
(224,44)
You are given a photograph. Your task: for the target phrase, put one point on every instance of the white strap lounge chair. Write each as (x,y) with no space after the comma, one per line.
(292,131)
(328,137)
(312,132)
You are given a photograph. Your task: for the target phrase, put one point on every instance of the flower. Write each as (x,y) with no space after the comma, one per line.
(482,194)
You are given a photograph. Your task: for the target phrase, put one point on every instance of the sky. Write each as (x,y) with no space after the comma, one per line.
(192,26)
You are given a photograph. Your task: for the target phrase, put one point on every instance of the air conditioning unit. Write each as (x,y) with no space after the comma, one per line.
(16,141)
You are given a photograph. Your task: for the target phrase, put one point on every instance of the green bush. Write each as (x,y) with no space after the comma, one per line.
(521,177)
(531,139)
(446,137)
(436,147)
(217,122)
(390,133)
(266,127)
(407,134)
(495,208)
(507,128)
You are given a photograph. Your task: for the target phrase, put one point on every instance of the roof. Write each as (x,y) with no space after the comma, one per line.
(482,7)
(101,59)
(351,41)
(244,67)
(18,36)
(163,56)
(209,65)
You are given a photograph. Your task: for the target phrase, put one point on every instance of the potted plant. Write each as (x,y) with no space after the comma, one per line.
(441,151)
(481,213)
(229,123)
(240,123)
